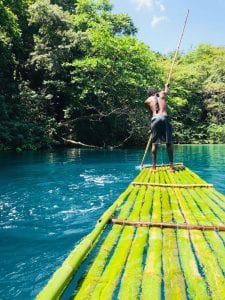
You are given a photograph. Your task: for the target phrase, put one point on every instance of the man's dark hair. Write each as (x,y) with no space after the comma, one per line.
(151,91)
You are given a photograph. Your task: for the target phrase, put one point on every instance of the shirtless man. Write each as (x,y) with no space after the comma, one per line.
(160,126)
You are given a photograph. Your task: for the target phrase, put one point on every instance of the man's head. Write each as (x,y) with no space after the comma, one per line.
(151,91)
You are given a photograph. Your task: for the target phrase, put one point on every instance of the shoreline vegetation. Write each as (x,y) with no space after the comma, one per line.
(73,73)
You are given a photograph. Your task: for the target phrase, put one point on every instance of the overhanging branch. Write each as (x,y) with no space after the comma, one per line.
(68,141)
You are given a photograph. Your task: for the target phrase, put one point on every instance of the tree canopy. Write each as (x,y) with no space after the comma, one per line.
(74,72)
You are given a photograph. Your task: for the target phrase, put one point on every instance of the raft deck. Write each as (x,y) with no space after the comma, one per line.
(166,240)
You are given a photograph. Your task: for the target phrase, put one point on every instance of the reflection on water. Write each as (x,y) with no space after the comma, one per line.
(50,200)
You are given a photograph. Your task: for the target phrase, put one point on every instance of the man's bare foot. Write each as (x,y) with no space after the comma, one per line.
(171,168)
(153,168)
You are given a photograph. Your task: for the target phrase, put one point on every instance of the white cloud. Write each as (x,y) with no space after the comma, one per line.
(144,3)
(156,6)
(162,7)
(156,20)
(150,4)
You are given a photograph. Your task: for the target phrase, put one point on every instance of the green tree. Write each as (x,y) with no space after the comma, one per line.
(214,95)
(110,80)
(65,4)
(9,38)
(55,43)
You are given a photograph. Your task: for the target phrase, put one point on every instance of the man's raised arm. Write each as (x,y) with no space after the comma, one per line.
(166,89)
(147,101)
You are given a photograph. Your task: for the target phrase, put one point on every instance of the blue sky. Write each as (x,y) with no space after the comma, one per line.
(160,22)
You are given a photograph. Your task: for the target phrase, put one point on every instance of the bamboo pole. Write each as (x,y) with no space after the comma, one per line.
(174,285)
(148,176)
(157,180)
(132,277)
(173,185)
(147,173)
(147,204)
(163,225)
(152,275)
(178,48)
(165,165)
(142,174)
(146,150)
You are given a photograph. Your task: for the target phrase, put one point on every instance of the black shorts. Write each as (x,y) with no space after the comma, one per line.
(161,130)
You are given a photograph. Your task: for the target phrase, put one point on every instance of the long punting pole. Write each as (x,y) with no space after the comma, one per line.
(168,80)
(178,48)
(146,150)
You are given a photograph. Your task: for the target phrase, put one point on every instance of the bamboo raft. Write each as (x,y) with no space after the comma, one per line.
(165,239)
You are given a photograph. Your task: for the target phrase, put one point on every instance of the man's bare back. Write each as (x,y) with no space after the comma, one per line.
(150,102)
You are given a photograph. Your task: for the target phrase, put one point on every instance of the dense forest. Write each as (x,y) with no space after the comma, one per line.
(73,72)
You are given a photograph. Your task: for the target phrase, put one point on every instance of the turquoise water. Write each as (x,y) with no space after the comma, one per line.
(49,201)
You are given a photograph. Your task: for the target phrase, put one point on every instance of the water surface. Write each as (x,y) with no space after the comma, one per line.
(50,200)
